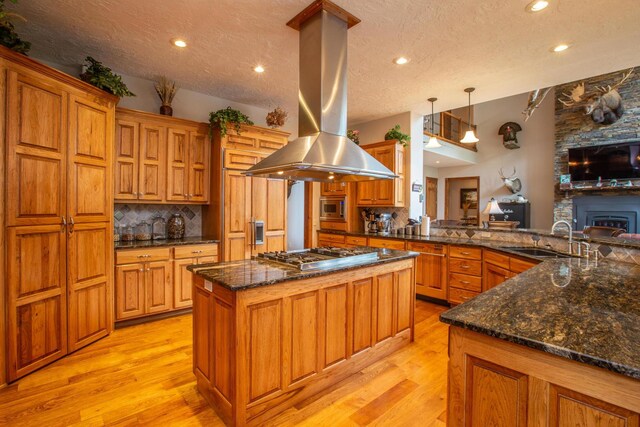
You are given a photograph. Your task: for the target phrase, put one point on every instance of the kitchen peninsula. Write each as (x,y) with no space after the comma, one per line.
(268,335)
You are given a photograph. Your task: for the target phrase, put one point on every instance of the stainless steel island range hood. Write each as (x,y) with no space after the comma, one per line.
(322,152)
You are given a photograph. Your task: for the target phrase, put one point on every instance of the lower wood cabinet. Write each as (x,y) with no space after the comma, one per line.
(152,281)
(496,383)
(431,269)
(499,267)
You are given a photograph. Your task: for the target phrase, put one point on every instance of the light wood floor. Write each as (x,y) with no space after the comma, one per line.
(141,375)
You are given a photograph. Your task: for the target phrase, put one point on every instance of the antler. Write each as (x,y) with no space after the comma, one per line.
(609,88)
(502,174)
(576,96)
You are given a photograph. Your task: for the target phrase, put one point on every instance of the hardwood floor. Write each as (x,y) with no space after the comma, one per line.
(141,375)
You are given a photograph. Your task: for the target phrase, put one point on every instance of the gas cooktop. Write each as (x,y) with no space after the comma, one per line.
(324,257)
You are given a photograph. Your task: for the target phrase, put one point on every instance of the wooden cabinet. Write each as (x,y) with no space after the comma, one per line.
(160,159)
(431,269)
(155,280)
(59,208)
(385,192)
(376,242)
(465,273)
(499,267)
(240,203)
(494,275)
(332,240)
(330,189)
(496,383)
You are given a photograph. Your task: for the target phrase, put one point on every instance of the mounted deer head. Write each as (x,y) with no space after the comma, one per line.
(512,183)
(604,104)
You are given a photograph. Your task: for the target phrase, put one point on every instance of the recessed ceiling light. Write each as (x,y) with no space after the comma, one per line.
(437,161)
(537,5)
(280,172)
(401,60)
(258,69)
(179,43)
(561,48)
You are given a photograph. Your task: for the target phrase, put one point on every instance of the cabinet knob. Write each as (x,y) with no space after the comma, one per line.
(141,194)
(142,269)
(185,195)
(190,195)
(135,193)
(148,269)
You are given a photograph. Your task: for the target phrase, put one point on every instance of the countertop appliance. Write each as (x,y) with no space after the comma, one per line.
(324,257)
(332,208)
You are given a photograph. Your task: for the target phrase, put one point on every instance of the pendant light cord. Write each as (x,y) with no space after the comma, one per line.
(469,111)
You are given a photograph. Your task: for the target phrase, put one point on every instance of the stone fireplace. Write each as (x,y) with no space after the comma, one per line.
(614,211)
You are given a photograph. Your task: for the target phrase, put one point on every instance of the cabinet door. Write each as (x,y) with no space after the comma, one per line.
(435,272)
(333,189)
(152,175)
(158,287)
(269,204)
(89,283)
(237,216)
(89,191)
(365,193)
(126,165)
(182,283)
(399,183)
(494,275)
(199,153)
(36,297)
(177,159)
(384,189)
(36,150)
(129,291)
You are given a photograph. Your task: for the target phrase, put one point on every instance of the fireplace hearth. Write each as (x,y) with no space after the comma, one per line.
(607,211)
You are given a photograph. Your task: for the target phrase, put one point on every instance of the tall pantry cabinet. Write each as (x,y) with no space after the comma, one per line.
(248,214)
(57,215)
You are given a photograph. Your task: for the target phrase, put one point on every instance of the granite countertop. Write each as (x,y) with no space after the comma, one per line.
(566,307)
(252,273)
(162,243)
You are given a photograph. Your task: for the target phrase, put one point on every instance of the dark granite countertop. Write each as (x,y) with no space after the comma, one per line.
(565,307)
(162,243)
(252,273)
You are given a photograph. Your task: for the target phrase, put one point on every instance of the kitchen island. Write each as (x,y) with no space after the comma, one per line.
(557,345)
(268,335)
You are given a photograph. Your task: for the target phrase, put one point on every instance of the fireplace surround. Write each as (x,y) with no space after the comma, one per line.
(608,211)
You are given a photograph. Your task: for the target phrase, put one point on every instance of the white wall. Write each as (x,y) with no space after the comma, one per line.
(196,106)
(533,161)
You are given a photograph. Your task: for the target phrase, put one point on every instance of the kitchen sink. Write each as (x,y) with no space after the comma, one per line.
(538,252)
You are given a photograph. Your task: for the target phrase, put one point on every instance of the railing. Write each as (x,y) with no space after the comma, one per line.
(450,128)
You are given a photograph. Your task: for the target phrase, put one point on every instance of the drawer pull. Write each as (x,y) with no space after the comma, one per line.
(466,298)
(142,269)
(465,266)
(465,253)
(431,254)
(465,282)
(144,256)
(196,252)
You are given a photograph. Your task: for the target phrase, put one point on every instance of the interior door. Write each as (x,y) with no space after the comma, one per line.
(36,150)
(177,159)
(36,297)
(90,161)
(199,149)
(89,283)
(126,165)
(152,175)
(237,216)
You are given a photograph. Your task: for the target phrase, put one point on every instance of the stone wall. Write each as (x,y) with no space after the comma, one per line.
(575,129)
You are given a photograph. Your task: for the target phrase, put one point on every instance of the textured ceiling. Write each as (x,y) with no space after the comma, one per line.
(493,45)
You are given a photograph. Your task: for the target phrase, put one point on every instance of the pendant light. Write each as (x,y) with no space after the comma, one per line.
(470,136)
(433,141)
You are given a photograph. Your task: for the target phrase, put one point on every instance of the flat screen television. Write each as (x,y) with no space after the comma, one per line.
(614,161)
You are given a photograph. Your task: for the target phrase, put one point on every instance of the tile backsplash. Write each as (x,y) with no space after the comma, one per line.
(124,214)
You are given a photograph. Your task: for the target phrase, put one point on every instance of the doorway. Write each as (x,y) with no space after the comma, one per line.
(461,200)
(431,197)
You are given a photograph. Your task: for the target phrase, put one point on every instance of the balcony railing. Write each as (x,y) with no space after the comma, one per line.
(449,128)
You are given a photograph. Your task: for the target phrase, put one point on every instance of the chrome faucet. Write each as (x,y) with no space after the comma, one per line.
(562,222)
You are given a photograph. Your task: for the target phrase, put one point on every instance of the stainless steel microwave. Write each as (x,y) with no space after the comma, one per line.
(332,208)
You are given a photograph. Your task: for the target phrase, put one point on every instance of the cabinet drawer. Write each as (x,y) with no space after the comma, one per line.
(385,243)
(517,265)
(465,266)
(334,238)
(425,247)
(130,256)
(458,296)
(465,252)
(496,258)
(244,141)
(268,143)
(240,159)
(333,225)
(193,251)
(353,240)
(465,281)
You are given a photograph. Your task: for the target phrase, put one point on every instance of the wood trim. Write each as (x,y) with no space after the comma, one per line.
(318,5)
(157,119)
(3,244)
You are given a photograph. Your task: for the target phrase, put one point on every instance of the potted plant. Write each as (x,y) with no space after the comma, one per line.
(103,78)
(276,118)
(222,117)
(166,90)
(395,133)
(354,136)
(8,35)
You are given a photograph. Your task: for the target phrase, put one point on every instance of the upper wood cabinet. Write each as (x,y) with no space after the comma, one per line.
(385,192)
(58,216)
(329,189)
(161,159)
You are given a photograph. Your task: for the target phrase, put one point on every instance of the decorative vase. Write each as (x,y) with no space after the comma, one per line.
(175,226)
(166,110)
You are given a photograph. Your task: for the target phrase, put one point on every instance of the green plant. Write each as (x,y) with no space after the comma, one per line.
(354,136)
(8,35)
(395,133)
(227,115)
(103,78)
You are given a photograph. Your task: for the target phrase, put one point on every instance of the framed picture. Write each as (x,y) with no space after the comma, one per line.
(469,195)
